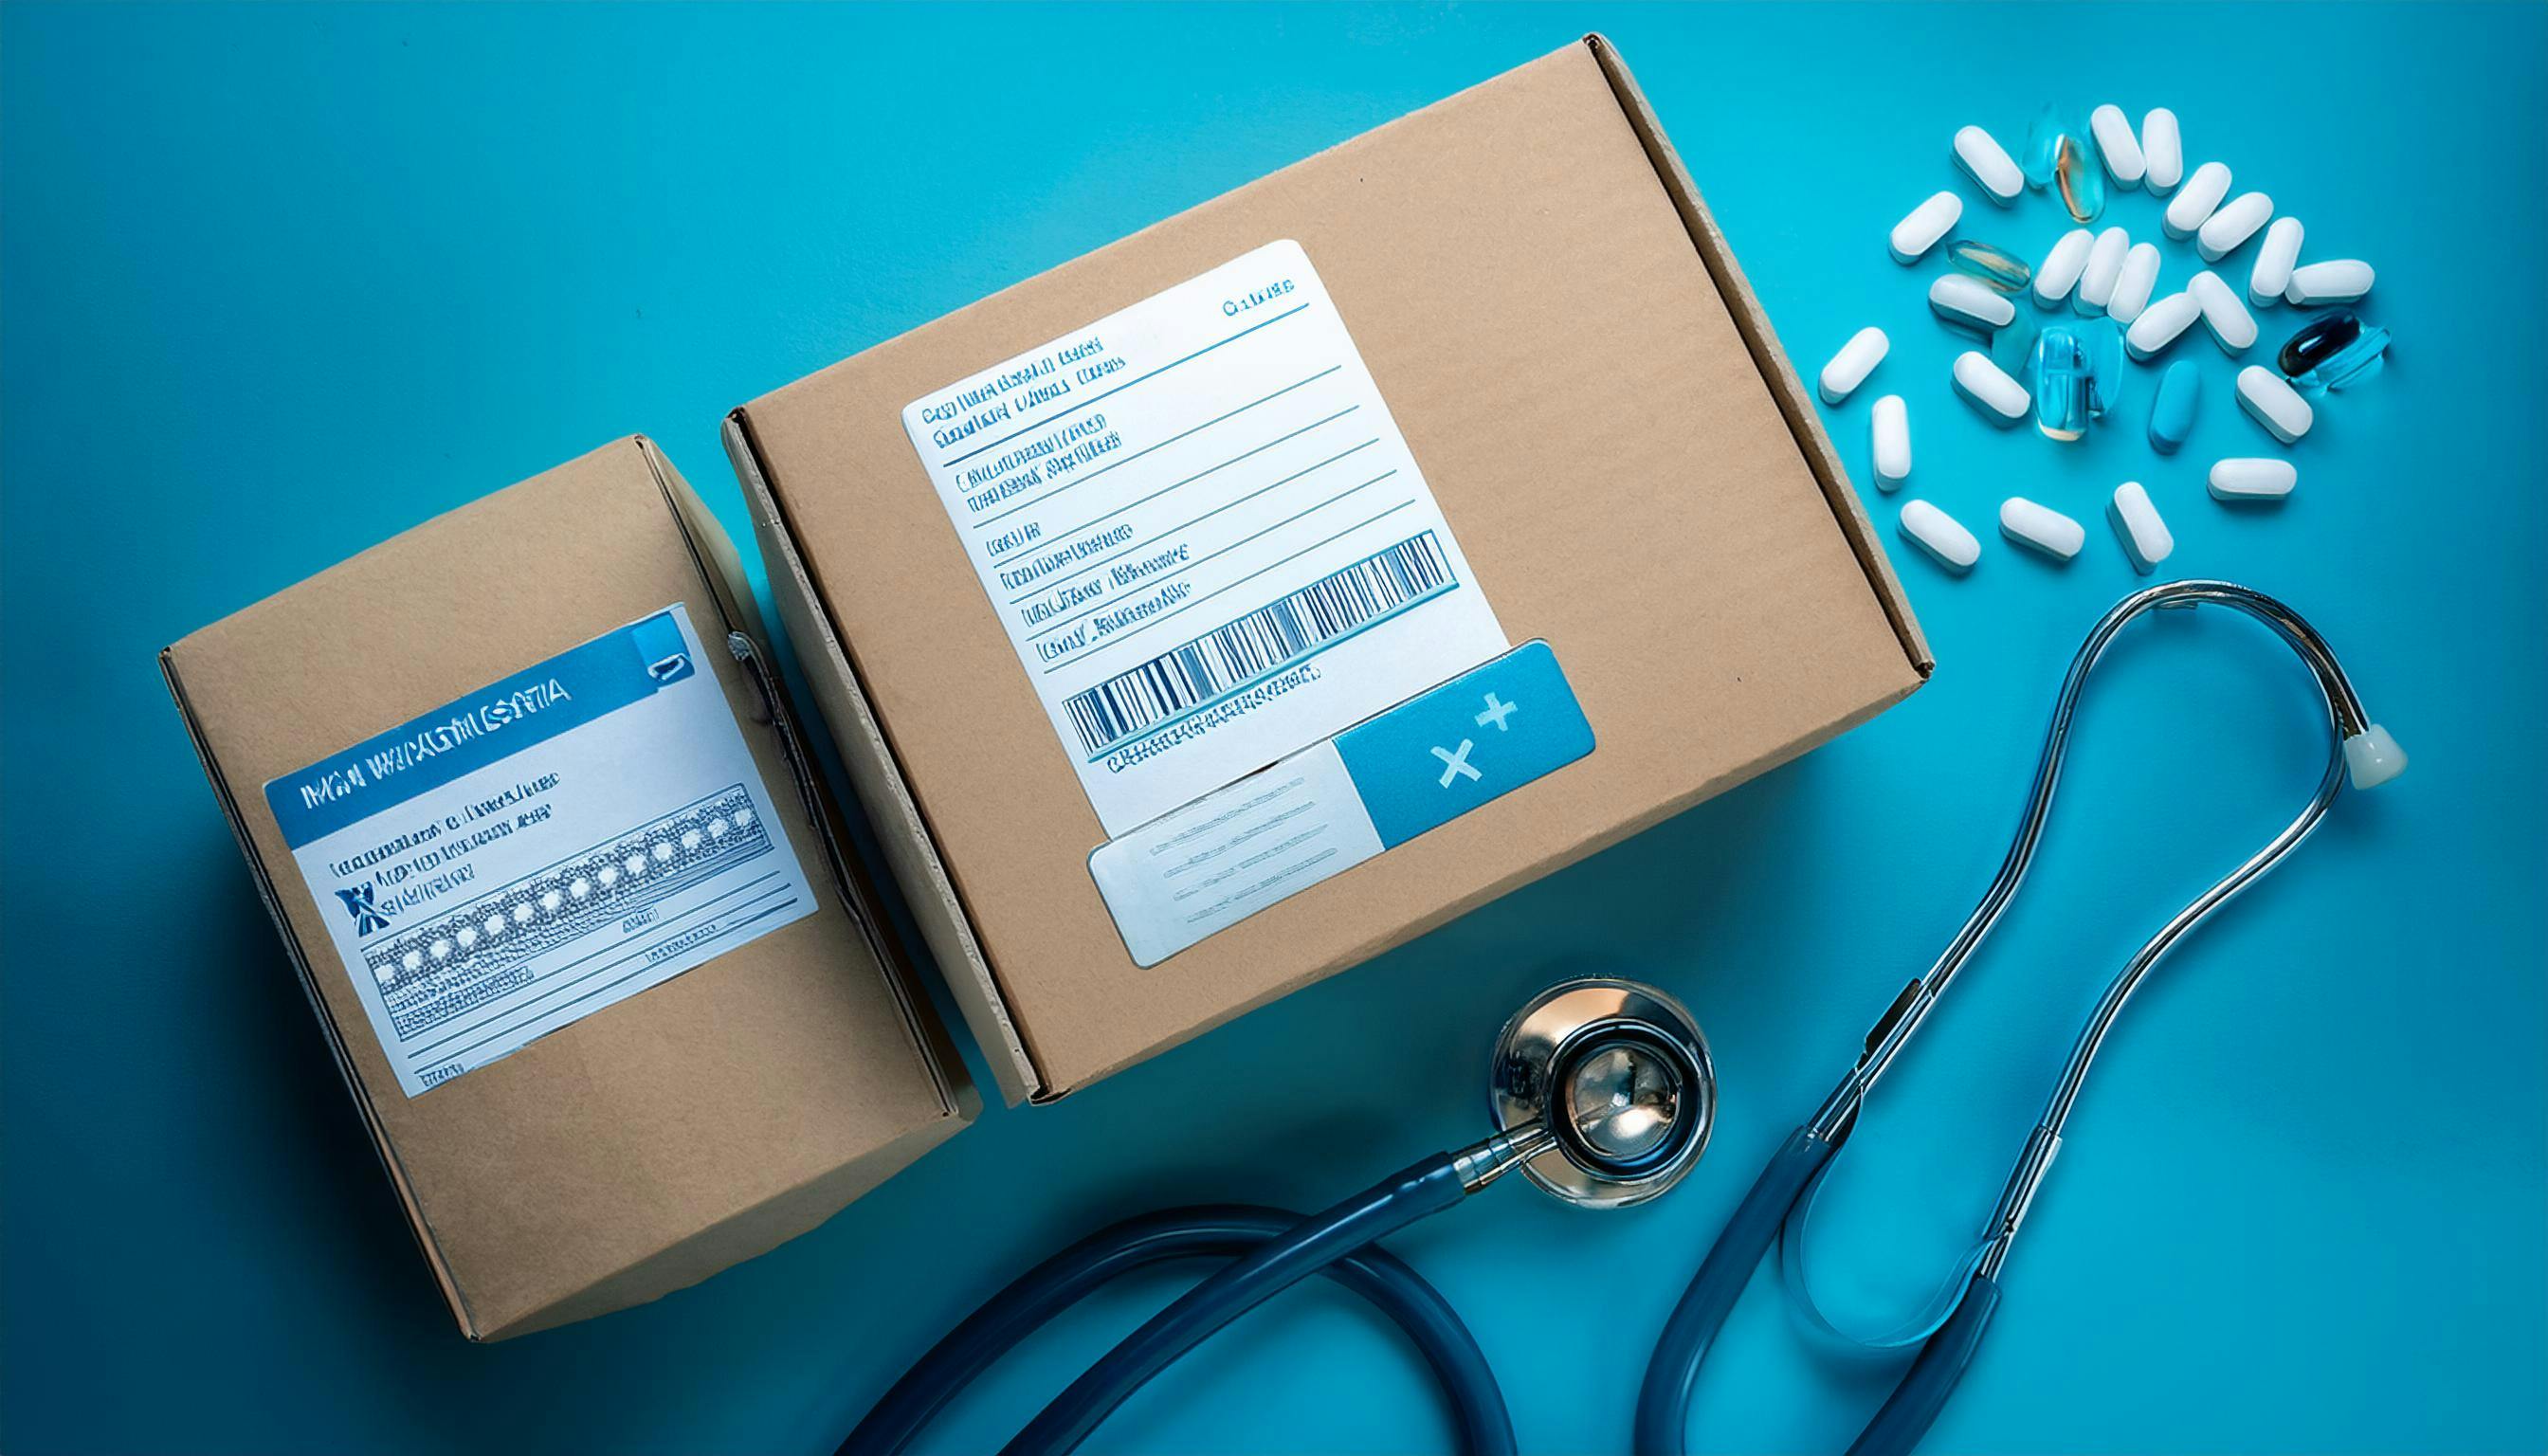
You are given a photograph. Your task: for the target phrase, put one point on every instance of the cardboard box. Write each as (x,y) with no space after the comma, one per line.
(658,1120)
(1596,402)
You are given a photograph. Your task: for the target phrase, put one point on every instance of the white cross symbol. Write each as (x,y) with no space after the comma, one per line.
(1497,711)
(1456,765)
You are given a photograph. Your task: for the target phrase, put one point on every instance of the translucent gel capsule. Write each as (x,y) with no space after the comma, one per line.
(2079,179)
(2332,350)
(2043,142)
(2012,345)
(1992,264)
(2101,343)
(2059,378)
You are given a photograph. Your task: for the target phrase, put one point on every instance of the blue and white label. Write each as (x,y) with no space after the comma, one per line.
(551,844)
(1326,809)
(1203,534)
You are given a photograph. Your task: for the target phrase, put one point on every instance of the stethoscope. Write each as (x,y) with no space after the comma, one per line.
(1604,1094)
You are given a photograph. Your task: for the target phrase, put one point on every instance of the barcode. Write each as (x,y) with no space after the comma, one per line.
(1258,644)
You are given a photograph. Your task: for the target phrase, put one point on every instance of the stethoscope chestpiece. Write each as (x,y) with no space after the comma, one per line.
(1619,1075)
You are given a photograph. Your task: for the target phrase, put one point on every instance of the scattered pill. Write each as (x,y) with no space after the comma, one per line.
(2136,525)
(2042,142)
(2228,320)
(2340,280)
(2332,351)
(1892,427)
(1988,388)
(2058,373)
(1992,264)
(1936,532)
(2275,257)
(2104,265)
(2132,285)
(2040,527)
(1989,165)
(2079,182)
(2175,406)
(2191,207)
(2102,344)
(2059,271)
(1856,360)
(2116,142)
(2163,151)
(1920,230)
(2227,230)
(2276,405)
(2160,324)
(2261,479)
(1962,300)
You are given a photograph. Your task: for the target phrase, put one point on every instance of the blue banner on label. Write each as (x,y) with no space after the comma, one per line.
(1322,811)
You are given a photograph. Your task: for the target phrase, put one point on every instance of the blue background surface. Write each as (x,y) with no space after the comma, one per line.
(281,282)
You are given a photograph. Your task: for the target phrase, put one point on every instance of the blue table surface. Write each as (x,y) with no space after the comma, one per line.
(281,282)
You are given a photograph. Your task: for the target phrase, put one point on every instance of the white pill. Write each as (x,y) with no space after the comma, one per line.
(1961,298)
(2227,230)
(1856,360)
(2060,269)
(2040,527)
(2192,208)
(2163,151)
(1935,531)
(1988,164)
(2276,405)
(2114,133)
(2133,286)
(2274,260)
(1892,425)
(2159,324)
(1918,232)
(2105,266)
(2228,319)
(2337,280)
(2136,525)
(2257,479)
(1987,388)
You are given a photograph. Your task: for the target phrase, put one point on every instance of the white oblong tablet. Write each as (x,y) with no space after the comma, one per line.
(1921,228)
(2160,324)
(2231,325)
(2253,479)
(2275,404)
(1987,388)
(1856,360)
(2163,151)
(2040,528)
(2059,271)
(1961,298)
(1935,531)
(2116,142)
(2227,230)
(2104,268)
(1891,422)
(1988,164)
(2145,536)
(2275,259)
(2133,285)
(2190,209)
(2336,281)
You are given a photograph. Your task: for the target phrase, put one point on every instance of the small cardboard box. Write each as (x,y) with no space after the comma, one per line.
(1546,325)
(606,1044)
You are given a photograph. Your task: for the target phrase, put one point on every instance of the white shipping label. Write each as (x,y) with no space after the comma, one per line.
(551,844)
(1203,532)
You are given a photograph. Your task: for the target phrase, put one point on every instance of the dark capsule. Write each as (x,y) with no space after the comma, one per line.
(2332,350)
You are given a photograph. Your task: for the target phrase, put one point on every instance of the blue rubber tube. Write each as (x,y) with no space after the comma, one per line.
(1214,1231)
(1663,1406)
(1313,1244)
(1914,1405)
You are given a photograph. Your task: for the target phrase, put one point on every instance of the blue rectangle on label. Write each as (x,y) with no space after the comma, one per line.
(1483,734)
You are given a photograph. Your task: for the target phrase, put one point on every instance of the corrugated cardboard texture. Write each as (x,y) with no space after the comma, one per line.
(652,1143)
(1528,287)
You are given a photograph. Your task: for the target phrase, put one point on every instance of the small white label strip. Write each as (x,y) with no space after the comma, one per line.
(1203,532)
(532,852)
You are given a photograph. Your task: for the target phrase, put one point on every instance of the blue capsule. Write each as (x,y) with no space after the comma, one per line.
(2101,343)
(2172,409)
(2059,375)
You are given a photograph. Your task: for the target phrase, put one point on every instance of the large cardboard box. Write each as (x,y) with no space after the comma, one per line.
(529,812)
(1546,326)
